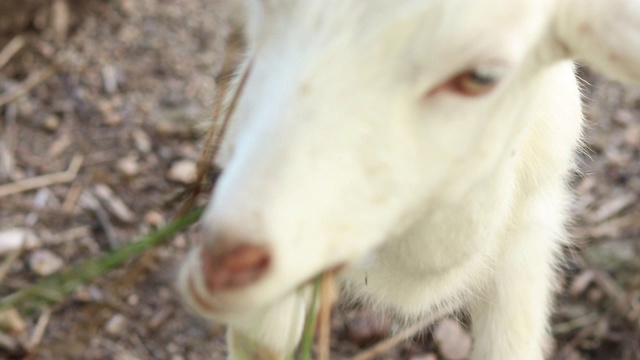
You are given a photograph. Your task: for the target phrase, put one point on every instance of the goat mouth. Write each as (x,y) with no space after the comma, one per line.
(200,301)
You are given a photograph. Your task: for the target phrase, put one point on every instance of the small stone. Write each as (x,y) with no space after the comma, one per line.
(183,171)
(128,166)
(45,262)
(366,329)
(454,343)
(51,123)
(623,117)
(89,293)
(166,128)
(632,136)
(16,238)
(133,300)
(180,242)
(109,114)
(154,218)
(427,356)
(116,324)
(110,79)
(141,140)
(173,348)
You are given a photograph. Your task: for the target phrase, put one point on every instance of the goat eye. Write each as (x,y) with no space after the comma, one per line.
(476,82)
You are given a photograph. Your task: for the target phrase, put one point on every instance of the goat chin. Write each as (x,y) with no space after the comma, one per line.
(426,144)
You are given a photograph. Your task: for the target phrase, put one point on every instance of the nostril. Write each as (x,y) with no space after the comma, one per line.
(235,267)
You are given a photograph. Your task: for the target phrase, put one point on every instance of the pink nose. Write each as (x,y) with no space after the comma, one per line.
(228,267)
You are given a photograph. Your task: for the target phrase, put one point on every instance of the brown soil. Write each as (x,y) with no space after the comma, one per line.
(131,80)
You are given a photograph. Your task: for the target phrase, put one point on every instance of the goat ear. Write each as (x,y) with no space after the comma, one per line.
(604,34)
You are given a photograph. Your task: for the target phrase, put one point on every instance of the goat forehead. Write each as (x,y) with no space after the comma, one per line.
(373,15)
(439,27)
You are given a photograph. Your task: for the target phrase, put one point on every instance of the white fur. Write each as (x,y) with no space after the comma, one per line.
(343,151)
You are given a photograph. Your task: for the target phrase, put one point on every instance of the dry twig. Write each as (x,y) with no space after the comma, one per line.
(11,49)
(8,262)
(384,346)
(327,295)
(33,80)
(216,131)
(45,180)
(38,332)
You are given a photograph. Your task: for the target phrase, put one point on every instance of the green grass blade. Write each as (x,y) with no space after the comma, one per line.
(57,287)
(310,322)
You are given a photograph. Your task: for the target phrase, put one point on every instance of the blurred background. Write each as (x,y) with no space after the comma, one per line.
(116,89)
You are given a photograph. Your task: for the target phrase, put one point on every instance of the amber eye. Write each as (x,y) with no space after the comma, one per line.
(476,82)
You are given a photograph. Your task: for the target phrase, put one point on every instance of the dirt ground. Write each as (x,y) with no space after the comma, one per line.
(122,89)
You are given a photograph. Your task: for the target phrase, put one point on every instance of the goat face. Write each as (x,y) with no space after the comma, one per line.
(356,118)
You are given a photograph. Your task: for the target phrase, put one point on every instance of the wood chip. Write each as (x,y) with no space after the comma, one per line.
(613,206)
(11,49)
(581,282)
(114,204)
(34,79)
(11,322)
(45,180)
(60,19)
(8,343)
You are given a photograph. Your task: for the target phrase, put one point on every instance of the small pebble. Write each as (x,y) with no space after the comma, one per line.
(623,117)
(16,238)
(183,171)
(116,324)
(427,356)
(141,140)
(166,128)
(173,348)
(89,293)
(180,242)
(110,79)
(454,342)
(154,218)
(128,166)
(367,328)
(109,114)
(45,262)
(632,135)
(51,123)
(133,300)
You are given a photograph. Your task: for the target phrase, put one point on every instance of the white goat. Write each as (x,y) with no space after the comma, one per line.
(425,144)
